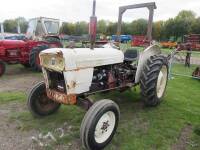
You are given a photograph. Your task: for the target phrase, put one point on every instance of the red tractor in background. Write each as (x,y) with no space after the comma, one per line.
(139,40)
(42,33)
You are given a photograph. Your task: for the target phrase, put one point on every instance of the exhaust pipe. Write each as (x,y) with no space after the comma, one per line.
(93,26)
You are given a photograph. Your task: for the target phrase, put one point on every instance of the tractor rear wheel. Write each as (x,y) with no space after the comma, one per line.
(38,102)
(154,79)
(34,57)
(2,68)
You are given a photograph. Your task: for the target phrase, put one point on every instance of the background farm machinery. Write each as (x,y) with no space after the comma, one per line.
(191,43)
(42,33)
(169,44)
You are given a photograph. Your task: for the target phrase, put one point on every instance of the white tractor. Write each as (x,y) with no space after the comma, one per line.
(73,74)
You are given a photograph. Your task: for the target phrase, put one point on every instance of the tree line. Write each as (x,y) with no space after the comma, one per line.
(186,22)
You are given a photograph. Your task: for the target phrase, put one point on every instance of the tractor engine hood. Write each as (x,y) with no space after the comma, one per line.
(10,44)
(65,59)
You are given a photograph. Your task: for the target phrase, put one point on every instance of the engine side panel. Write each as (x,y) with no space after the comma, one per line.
(78,81)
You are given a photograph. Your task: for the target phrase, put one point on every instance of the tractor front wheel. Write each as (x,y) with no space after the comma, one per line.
(99,125)
(34,57)
(154,80)
(2,68)
(38,102)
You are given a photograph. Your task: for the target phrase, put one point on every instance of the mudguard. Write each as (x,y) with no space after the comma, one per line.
(144,56)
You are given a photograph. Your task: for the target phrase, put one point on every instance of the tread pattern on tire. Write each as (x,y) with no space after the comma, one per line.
(87,120)
(29,103)
(148,81)
(33,56)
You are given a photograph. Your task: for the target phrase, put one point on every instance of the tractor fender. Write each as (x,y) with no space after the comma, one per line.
(144,56)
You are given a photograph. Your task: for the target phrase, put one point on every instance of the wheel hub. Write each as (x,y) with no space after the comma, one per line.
(105,127)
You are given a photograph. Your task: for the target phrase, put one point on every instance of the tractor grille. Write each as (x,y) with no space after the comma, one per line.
(56,81)
(52,61)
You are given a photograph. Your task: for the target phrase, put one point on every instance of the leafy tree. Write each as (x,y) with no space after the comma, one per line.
(22,23)
(158,30)
(183,23)
(81,28)
(196,26)
(10,25)
(102,27)
(169,28)
(67,28)
(111,28)
(139,27)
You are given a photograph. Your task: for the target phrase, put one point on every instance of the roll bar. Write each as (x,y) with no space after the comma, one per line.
(151,6)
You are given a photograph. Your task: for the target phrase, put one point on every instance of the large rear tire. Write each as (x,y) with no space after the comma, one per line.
(38,102)
(2,68)
(34,57)
(154,79)
(99,125)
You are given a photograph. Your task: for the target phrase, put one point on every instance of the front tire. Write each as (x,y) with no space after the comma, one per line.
(38,102)
(34,57)
(2,68)
(99,125)
(154,80)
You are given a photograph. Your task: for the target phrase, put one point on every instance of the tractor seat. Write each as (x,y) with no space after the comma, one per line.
(131,55)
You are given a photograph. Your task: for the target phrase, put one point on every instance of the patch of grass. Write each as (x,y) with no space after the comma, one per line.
(15,70)
(6,97)
(197,130)
(181,69)
(70,114)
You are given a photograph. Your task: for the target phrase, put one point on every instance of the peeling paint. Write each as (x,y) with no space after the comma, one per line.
(61,98)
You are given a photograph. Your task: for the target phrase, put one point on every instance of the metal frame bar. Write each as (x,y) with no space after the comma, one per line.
(151,6)
(171,63)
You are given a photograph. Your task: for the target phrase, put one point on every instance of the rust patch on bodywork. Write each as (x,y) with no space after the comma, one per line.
(61,97)
(71,85)
(59,53)
(54,61)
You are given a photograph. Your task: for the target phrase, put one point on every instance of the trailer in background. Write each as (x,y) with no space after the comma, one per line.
(191,42)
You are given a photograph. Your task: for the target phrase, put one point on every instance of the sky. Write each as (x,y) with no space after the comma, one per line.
(80,10)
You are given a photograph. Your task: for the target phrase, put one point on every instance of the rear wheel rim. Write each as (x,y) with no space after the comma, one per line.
(105,127)
(161,82)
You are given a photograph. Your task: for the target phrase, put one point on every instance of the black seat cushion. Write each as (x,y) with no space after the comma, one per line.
(131,55)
